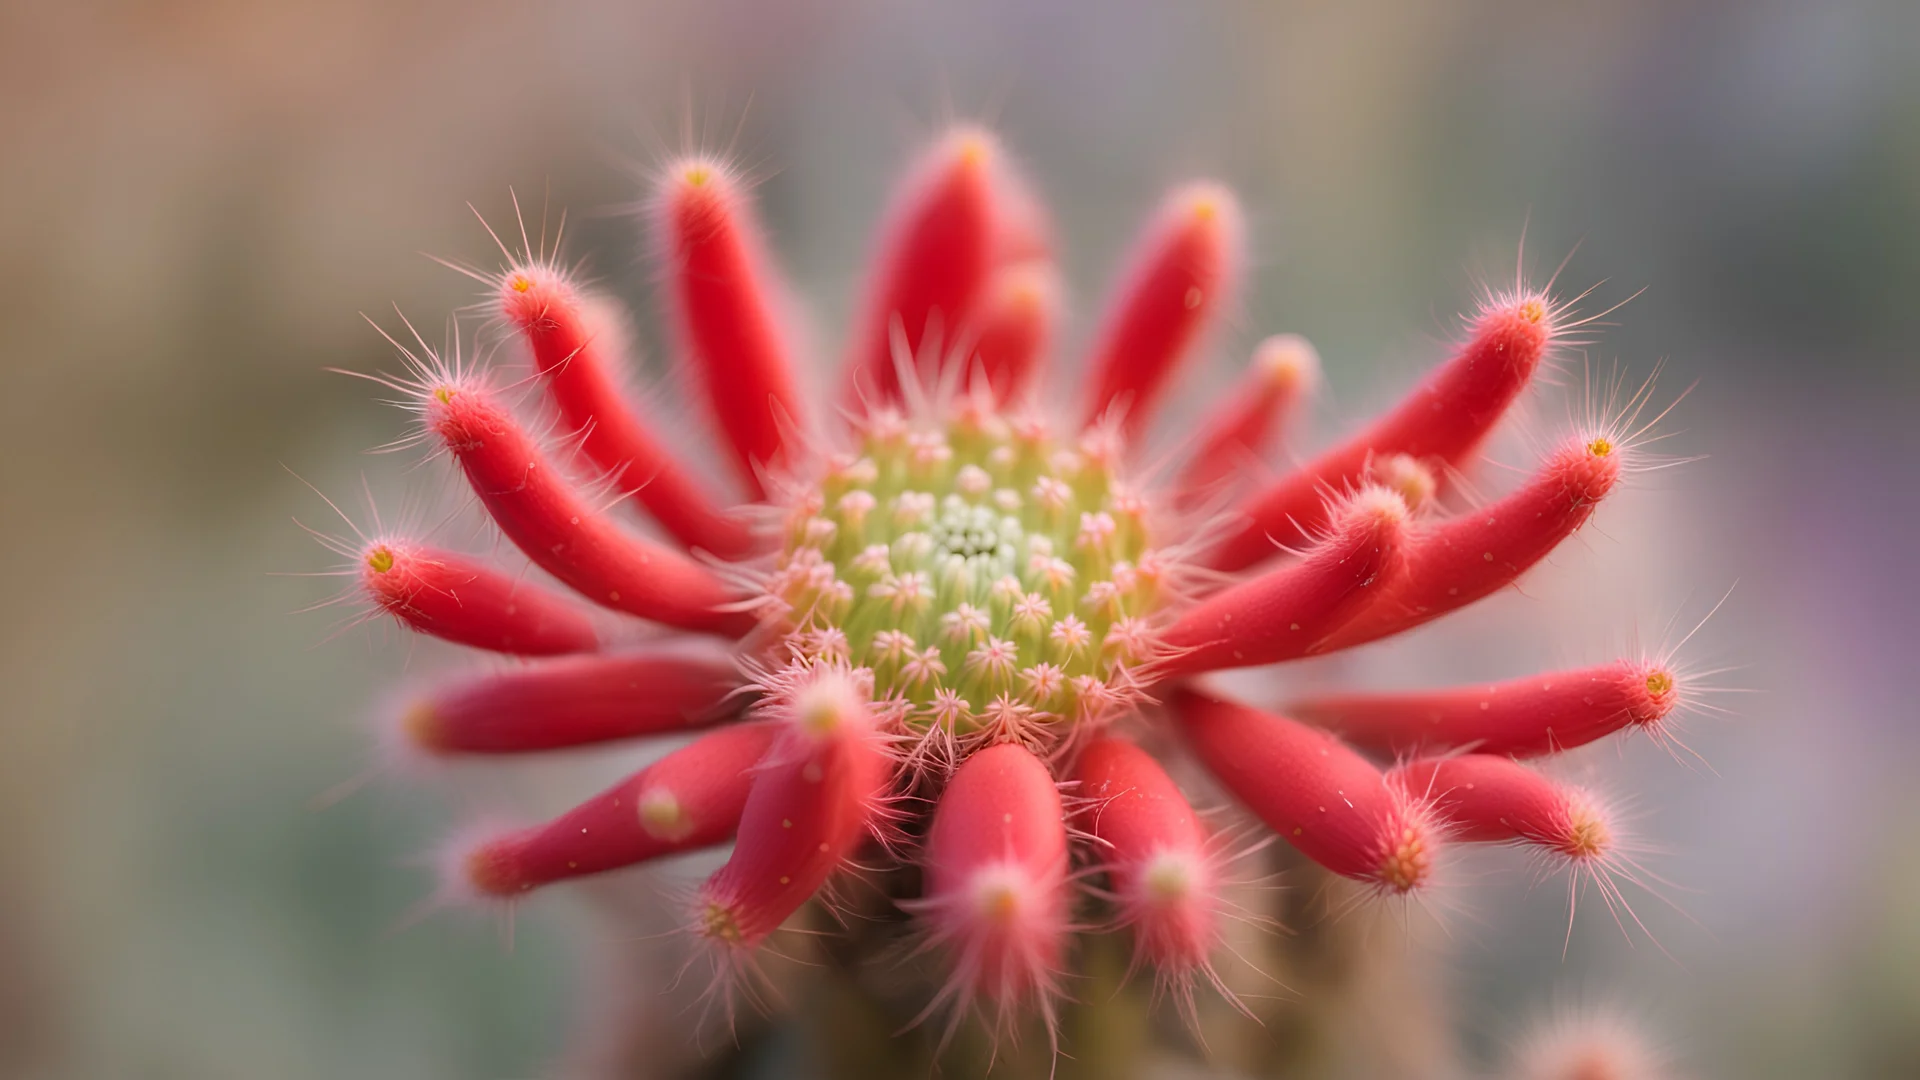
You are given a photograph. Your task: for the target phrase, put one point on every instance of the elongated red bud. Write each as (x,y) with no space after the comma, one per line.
(576,701)
(1539,714)
(1154,851)
(936,253)
(560,531)
(996,878)
(578,344)
(1445,418)
(1494,800)
(813,800)
(1184,271)
(1017,319)
(726,303)
(1286,613)
(1452,563)
(1319,794)
(688,800)
(1251,417)
(459,599)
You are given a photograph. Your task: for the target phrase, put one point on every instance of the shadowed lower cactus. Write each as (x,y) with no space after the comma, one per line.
(937,655)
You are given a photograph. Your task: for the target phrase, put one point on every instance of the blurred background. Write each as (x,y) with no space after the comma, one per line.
(198,196)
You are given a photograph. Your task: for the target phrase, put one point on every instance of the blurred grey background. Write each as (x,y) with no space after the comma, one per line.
(197,196)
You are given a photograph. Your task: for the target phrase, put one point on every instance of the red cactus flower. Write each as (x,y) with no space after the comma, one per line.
(939,601)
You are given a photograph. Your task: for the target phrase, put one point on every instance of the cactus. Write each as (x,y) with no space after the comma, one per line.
(932,647)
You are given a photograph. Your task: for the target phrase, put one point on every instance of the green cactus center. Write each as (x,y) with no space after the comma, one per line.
(980,568)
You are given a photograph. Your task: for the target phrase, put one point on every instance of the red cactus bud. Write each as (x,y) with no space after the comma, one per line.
(578,343)
(1184,271)
(1250,417)
(1017,317)
(459,599)
(1316,792)
(813,800)
(577,701)
(1155,854)
(1286,613)
(1446,417)
(1492,800)
(685,801)
(572,540)
(996,879)
(1539,714)
(726,300)
(934,260)
(1452,563)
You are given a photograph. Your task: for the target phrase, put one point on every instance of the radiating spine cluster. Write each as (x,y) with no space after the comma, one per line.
(998,583)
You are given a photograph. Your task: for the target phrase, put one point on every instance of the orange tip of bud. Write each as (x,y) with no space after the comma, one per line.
(421,727)
(1589,836)
(1409,859)
(829,706)
(1287,361)
(971,146)
(488,868)
(719,922)
(528,292)
(1408,476)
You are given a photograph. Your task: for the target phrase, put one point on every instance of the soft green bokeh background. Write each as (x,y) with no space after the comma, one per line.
(197,196)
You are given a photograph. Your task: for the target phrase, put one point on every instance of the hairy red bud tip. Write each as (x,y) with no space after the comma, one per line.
(996,875)
(577,701)
(812,802)
(1154,851)
(561,532)
(1287,613)
(459,599)
(1407,475)
(1539,714)
(1588,1045)
(725,300)
(935,256)
(578,343)
(688,800)
(1492,800)
(1184,270)
(1017,319)
(1315,791)
(1446,418)
(1452,563)
(1252,417)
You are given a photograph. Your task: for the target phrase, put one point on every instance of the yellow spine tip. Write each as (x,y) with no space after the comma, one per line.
(1285,361)
(998,901)
(717,921)
(1407,865)
(1587,833)
(974,149)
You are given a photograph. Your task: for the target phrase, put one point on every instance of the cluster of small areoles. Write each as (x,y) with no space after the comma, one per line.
(986,575)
